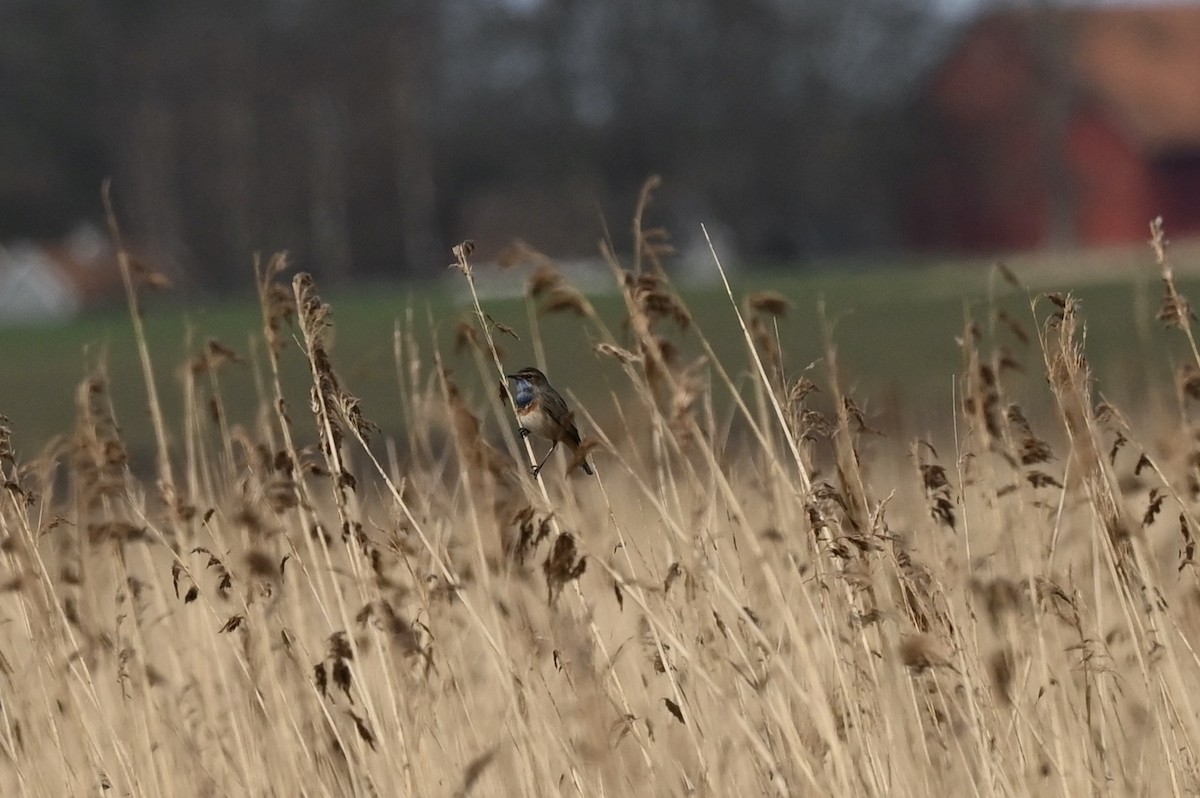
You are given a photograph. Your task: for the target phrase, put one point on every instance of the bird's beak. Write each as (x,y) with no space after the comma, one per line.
(512,376)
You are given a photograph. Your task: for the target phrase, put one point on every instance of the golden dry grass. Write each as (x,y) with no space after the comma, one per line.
(779,601)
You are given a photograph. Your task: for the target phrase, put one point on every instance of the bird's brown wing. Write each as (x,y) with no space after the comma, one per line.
(555,407)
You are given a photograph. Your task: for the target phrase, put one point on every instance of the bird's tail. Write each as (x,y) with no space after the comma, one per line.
(573,441)
(582,462)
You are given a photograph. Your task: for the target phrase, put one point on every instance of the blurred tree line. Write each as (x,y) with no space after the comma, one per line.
(367,137)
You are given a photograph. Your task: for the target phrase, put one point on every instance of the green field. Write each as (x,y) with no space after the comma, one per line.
(895,331)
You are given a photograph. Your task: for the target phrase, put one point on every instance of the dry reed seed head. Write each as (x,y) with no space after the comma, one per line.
(314,315)
(1040,479)
(690,385)
(7,455)
(1193,477)
(526,533)
(1158,242)
(545,278)
(462,252)
(1187,553)
(277,265)
(1031,448)
(337,646)
(1118,443)
(519,253)
(564,298)
(1110,415)
(1176,311)
(1001,668)
(1052,597)
(939,493)
(855,414)
(349,409)
(280,311)
(1014,326)
(1187,378)
(1156,500)
(1010,276)
(115,531)
(655,299)
(1059,300)
(562,566)
(215,564)
(98,456)
(674,572)
(146,275)
(1001,596)
(800,388)
(921,652)
(212,358)
(465,337)
(770,303)
(1007,361)
(232,624)
(262,564)
(815,426)
(981,401)
(667,351)
(656,246)
(764,338)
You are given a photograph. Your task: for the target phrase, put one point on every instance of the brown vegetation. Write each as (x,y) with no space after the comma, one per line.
(783,601)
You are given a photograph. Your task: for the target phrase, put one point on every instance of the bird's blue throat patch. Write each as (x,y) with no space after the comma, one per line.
(524,395)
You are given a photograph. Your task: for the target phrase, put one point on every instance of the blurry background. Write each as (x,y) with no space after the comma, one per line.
(367,138)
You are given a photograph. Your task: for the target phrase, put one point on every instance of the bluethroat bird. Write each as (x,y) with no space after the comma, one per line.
(540,409)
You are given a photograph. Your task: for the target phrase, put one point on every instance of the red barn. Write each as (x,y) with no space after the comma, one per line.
(1067,126)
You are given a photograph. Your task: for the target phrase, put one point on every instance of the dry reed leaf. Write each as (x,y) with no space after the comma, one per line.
(232,625)
(475,769)
(1155,506)
(502,328)
(623,355)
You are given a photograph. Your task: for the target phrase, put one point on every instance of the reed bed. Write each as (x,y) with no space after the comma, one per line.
(759,592)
